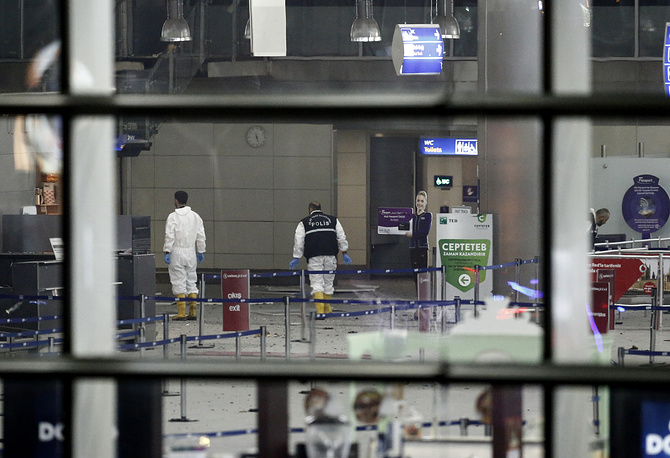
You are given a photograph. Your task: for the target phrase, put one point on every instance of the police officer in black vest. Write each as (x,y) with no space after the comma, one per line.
(319,237)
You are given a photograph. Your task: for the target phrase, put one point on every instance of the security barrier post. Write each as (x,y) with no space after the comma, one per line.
(393,317)
(166,354)
(287,327)
(183,383)
(201,315)
(620,356)
(476,287)
(661,289)
(457,308)
(517,277)
(51,344)
(652,325)
(142,328)
(238,350)
(537,289)
(264,354)
(312,336)
(303,308)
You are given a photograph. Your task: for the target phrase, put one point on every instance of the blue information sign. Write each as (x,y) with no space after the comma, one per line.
(417,49)
(448,146)
(646,205)
(666,59)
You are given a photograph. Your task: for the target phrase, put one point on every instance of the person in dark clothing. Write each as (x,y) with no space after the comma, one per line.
(597,219)
(421,223)
(319,237)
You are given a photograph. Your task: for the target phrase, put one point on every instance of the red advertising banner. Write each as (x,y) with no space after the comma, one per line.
(600,306)
(626,273)
(235,285)
(608,276)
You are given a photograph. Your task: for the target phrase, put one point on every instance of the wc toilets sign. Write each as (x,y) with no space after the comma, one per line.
(463,242)
(235,285)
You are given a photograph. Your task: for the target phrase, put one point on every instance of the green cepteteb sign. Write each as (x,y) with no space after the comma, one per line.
(460,256)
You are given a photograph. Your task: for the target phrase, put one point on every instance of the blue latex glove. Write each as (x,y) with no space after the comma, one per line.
(167,258)
(294,263)
(346,258)
(201,257)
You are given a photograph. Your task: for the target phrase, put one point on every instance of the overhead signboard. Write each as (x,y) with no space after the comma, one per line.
(448,146)
(666,59)
(417,49)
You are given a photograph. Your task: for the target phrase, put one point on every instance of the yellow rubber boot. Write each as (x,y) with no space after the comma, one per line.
(192,307)
(327,307)
(181,308)
(319,305)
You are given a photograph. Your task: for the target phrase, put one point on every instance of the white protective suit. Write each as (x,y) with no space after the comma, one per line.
(184,233)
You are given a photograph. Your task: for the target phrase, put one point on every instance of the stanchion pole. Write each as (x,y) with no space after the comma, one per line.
(443,283)
(142,326)
(661,291)
(443,320)
(537,290)
(303,307)
(463,426)
(652,326)
(457,308)
(312,336)
(393,316)
(287,327)
(620,356)
(264,347)
(476,290)
(183,384)
(517,277)
(238,349)
(51,344)
(201,315)
(596,411)
(166,355)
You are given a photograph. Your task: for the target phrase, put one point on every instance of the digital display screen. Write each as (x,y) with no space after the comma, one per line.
(448,146)
(417,49)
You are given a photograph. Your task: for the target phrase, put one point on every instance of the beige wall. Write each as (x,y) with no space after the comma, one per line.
(250,199)
(352,194)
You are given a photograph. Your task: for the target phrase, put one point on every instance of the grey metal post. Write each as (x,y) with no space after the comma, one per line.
(444,283)
(476,287)
(143,328)
(463,426)
(166,354)
(264,353)
(312,336)
(51,344)
(661,291)
(183,417)
(517,277)
(596,411)
(457,307)
(652,325)
(287,327)
(393,316)
(620,356)
(201,315)
(303,308)
(443,320)
(238,349)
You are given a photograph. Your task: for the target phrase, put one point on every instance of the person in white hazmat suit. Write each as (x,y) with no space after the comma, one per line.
(184,234)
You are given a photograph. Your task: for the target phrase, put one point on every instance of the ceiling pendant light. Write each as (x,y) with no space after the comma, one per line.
(364,28)
(446,20)
(175,27)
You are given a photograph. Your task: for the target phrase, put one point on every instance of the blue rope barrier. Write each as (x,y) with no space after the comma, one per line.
(646,353)
(135,346)
(242,432)
(29,333)
(34,343)
(30,319)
